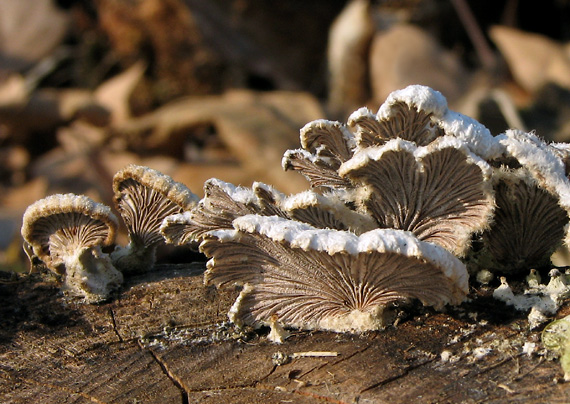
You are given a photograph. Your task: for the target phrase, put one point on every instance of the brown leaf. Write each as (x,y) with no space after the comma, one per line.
(406,55)
(255,127)
(533,59)
(29,30)
(114,94)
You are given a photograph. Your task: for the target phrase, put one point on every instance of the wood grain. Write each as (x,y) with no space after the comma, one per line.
(165,339)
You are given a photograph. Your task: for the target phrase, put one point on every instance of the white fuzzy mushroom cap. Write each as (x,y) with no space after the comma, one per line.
(542,162)
(418,97)
(155,180)
(144,197)
(61,223)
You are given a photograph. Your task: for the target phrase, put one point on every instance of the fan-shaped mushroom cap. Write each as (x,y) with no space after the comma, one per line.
(326,211)
(67,232)
(420,114)
(408,114)
(417,114)
(327,279)
(533,206)
(222,203)
(440,192)
(58,225)
(320,172)
(269,199)
(144,197)
(528,225)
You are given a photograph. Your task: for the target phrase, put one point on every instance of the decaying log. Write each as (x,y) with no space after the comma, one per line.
(165,339)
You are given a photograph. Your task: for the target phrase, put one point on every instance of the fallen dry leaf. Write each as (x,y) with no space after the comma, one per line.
(114,94)
(347,57)
(256,128)
(533,59)
(29,30)
(405,55)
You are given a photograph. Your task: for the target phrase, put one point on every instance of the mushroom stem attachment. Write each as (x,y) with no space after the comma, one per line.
(134,258)
(90,273)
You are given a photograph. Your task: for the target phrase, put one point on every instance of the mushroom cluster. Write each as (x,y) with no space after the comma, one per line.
(68,232)
(395,199)
(402,205)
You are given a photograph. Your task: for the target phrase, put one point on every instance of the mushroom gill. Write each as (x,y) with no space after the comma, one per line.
(145,197)
(440,192)
(67,232)
(224,202)
(528,225)
(417,114)
(321,279)
(533,206)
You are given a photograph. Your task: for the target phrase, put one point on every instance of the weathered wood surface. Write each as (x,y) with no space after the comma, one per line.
(164,340)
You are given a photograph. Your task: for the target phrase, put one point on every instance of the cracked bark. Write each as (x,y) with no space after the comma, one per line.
(172,377)
(165,340)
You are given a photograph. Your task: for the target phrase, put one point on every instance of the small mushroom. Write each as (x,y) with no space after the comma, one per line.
(528,225)
(533,206)
(321,279)
(440,192)
(144,197)
(67,232)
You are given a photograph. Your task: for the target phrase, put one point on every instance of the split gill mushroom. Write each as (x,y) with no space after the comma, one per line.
(533,206)
(67,232)
(224,202)
(323,279)
(145,197)
(440,192)
(417,114)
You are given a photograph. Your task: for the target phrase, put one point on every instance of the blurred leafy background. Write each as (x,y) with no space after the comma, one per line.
(220,88)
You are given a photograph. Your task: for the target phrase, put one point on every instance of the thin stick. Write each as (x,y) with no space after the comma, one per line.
(475,33)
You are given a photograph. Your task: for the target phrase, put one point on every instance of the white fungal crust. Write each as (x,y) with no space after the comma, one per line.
(327,279)
(59,224)
(421,98)
(543,162)
(67,232)
(145,197)
(477,137)
(440,192)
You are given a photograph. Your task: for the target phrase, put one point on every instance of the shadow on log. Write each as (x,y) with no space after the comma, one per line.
(165,339)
